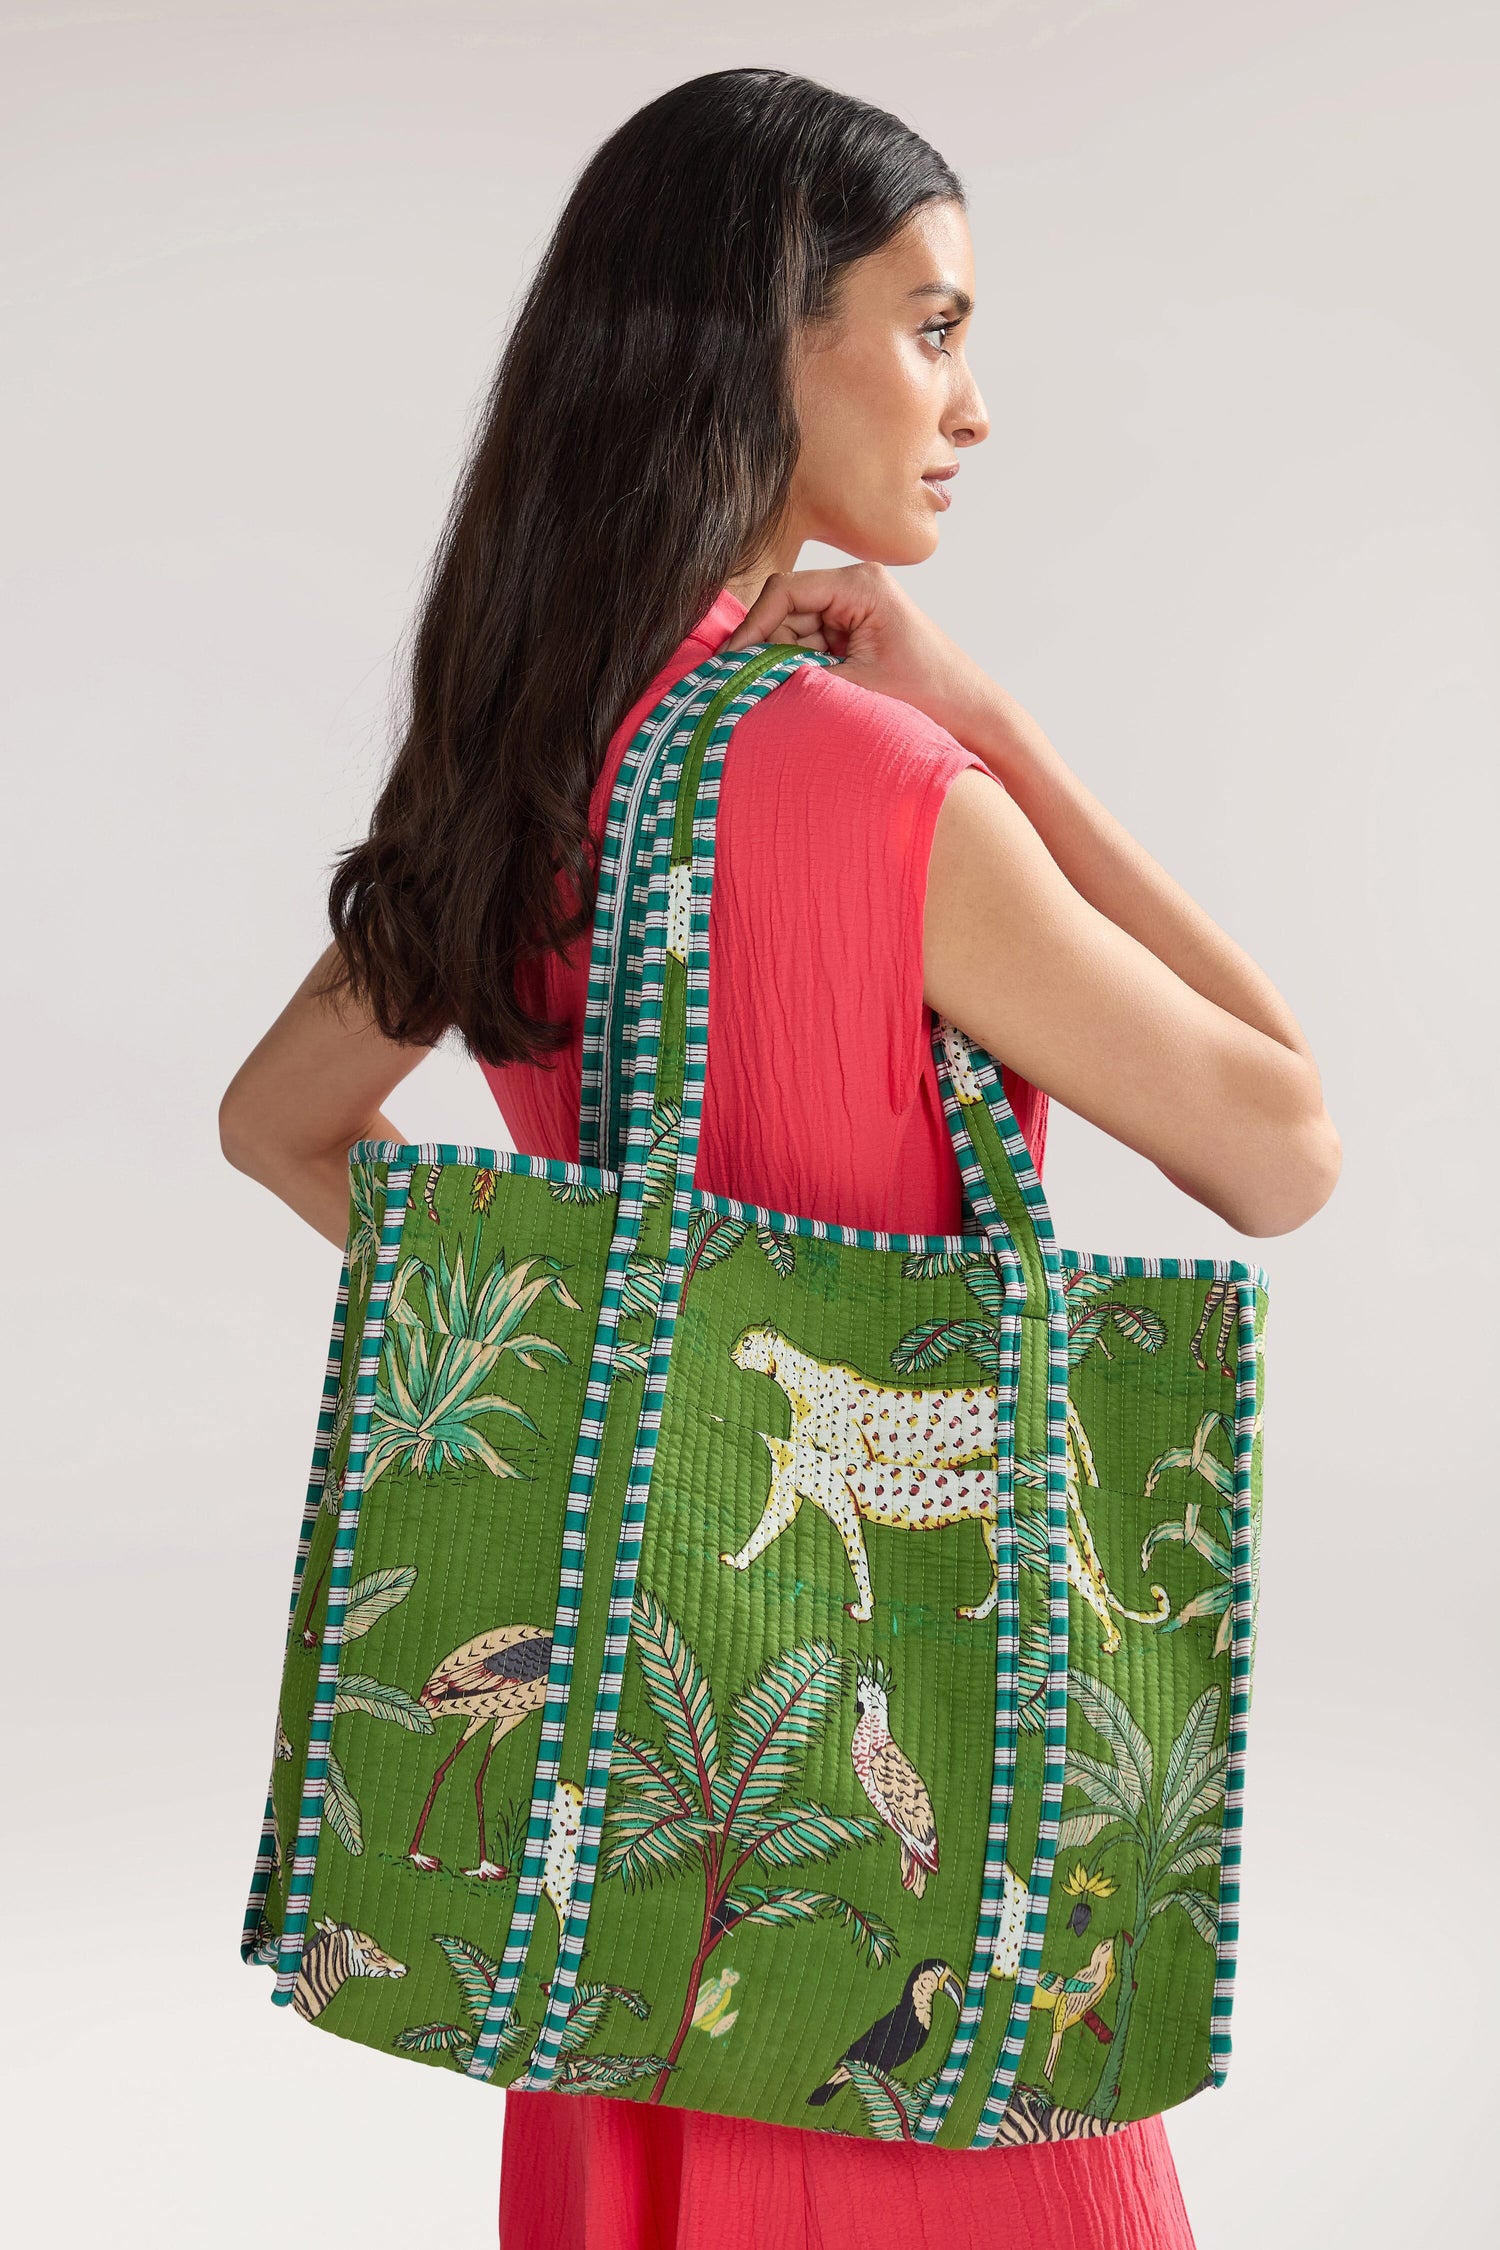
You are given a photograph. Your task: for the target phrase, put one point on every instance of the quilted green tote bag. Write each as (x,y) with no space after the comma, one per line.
(764,1666)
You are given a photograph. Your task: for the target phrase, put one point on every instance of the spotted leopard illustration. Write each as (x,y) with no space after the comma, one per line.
(908,1457)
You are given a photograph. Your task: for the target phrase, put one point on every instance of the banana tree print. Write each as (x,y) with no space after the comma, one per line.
(1216,1547)
(687,1802)
(369,1599)
(476,1973)
(330,1500)
(364,1228)
(1166,1830)
(442,1341)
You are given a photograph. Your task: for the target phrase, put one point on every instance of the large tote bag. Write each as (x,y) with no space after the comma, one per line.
(753,1664)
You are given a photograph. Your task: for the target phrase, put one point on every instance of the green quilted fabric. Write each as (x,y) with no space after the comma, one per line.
(752,1664)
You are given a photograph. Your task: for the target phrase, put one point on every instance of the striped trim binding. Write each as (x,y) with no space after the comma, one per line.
(986,1206)
(310,1818)
(631,811)
(1240,1656)
(721,709)
(1171,1269)
(620,1007)
(1055,1729)
(414,1154)
(689,696)
(1007,1632)
(260,1880)
(828,1230)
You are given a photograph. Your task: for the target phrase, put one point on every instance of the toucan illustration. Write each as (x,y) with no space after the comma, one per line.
(896,2036)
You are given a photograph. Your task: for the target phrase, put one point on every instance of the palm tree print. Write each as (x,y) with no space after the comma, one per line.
(575,2073)
(1087,1317)
(1168,1830)
(442,1341)
(892,2109)
(687,1802)
(934,1341)
(1217,1550)
(476,1974)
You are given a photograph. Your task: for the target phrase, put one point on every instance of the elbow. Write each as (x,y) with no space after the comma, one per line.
(1303,1182)
(237,1139)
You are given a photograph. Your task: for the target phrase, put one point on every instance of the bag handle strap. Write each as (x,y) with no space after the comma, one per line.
(667,806)
(612,1007)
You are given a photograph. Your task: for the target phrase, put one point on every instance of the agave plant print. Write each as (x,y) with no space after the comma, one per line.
(757,1665)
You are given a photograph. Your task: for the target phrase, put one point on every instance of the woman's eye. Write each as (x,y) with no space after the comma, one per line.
(941,328)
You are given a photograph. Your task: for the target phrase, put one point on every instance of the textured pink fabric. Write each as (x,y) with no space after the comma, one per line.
(821,1099)
(582,2172)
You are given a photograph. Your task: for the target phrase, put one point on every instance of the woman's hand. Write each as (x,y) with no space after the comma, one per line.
(860,614)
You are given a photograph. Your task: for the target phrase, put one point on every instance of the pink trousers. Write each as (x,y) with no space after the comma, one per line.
(580,2172)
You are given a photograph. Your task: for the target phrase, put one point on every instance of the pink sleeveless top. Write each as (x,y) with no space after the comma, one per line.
(821,1100)
(821,1097)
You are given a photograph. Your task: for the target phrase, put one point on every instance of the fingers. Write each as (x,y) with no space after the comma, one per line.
(791,605)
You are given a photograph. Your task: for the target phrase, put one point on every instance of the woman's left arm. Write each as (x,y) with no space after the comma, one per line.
(313,1084)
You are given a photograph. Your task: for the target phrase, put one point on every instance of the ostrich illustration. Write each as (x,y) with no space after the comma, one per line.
(496,1679)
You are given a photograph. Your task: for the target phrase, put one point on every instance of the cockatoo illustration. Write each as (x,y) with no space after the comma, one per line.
(889,1779)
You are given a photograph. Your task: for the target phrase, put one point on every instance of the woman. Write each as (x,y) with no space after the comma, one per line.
(747,332)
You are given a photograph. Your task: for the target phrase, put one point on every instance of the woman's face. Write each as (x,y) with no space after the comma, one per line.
(886,396)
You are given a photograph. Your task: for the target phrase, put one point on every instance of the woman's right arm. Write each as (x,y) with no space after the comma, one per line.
(312,1085)
(1053,938)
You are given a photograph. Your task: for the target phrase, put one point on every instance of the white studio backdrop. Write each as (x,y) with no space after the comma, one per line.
(1233,539)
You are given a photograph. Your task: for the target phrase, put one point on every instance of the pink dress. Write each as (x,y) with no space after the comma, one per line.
(821,1098)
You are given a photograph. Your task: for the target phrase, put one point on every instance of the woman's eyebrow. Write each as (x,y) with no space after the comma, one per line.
(960,297)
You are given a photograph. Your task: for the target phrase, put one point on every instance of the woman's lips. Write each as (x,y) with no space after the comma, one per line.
(941,489)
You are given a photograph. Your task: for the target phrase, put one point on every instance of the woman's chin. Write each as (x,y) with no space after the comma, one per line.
(901,544)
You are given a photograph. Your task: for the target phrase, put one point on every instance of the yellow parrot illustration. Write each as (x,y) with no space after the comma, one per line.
(1072,1998)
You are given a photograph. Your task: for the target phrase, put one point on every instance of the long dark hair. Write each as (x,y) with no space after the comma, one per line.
(635,453)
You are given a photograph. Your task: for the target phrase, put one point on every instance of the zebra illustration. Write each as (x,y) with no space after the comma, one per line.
(1030,2117)
(338,1951)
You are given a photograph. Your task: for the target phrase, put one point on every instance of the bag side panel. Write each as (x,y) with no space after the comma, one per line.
(1120,2026)
(443,1665)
